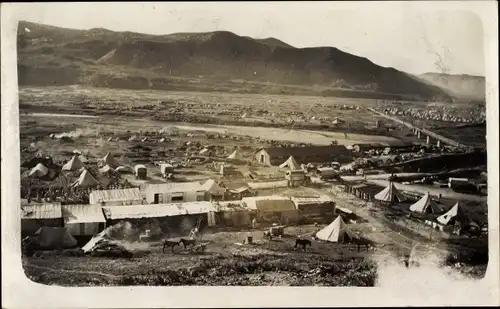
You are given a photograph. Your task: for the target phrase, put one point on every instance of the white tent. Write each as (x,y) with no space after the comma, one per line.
(203,151)
(390,194)
(108,160)
(85,180)
(110,139)
(39,170)
(426,205)
(233,155)
(132,138)
(291,164)
(450,214)
(337,231)
(123,169)
(73,165)
(161,140)
(213,187)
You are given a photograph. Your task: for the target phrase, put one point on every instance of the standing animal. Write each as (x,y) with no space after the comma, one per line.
(303,243)
(170,243)
(188,242)
(362,241)
(268,234)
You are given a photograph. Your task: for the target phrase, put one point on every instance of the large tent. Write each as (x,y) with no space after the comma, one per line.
(85,180)
(426,205)
(233,155)
(73,165)
(337,231)
(447,217)
(109,160)
(390,194)
(39,171)
(54,238)
(291,164)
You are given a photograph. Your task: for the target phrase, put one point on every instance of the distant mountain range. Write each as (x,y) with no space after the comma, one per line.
(218,61)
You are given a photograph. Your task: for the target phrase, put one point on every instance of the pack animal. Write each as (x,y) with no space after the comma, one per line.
(363,242)
(170,244)
(188,242)
(303,242)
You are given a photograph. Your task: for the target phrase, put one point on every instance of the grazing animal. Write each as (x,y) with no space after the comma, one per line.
(170,243)
(188,242)
(268,234)
(303,243)
(363,242)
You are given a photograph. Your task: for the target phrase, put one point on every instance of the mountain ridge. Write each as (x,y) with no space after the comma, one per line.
(105,58)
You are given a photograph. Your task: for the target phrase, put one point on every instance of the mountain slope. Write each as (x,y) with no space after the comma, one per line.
(467,87)
(99,57)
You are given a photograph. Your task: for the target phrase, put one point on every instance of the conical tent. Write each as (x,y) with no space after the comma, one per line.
(449,215)
(39,170)
(54,238)
(337,231)
(291,164)
(85,180)
(73,165)
(425,205)
(390,194)
(109,160)
(132,138)
(233,155)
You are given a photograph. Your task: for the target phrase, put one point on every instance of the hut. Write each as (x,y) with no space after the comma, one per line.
(315,208)
(174,192)
(35,216)
(166,168)
(233,214)
(141,172)
(116,197)
(83,221)
(272,208)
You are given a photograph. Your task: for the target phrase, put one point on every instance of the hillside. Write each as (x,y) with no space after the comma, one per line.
(466,87)
(217,61)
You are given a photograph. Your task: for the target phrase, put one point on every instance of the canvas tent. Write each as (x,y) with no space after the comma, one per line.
(109,160)
(73,165)
(39,170)
(390,194)
(54,238)
(233,155)
(85,180)
(291,164)
(426,205)
(447,217)
(132,138)
(337,231)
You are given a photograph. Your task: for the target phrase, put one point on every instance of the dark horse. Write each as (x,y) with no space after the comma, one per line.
(170,243)
(362,241)
(188,242)
(303,243)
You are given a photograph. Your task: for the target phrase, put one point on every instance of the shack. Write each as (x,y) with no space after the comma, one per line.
(272,209)
(83,221)
(35,216)
(174,192)
(116,197)
(233,214)
(315,208)
(274,156)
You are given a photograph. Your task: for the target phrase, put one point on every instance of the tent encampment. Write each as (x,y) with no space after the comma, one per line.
(108,160)
(85,180)
(426,205)
(54,238)
(291,164)
(390,194)
(39,171)
(447,217)
(337,231)
(73,165)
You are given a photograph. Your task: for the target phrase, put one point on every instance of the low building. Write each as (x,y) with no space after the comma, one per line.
(295,178)
(35,216)
(233,214)
(327,173)
(83,220)
(274,156)
(315,208)
(272,209)
(141,171)
(116,197)
(174,192)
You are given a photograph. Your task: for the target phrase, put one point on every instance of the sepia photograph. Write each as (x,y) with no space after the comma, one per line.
(243,144)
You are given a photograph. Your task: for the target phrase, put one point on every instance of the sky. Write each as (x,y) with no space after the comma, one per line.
(401,35)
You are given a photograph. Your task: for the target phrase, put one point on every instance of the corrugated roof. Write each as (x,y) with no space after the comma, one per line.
(174,187)
(275,205)
(309,151)
(156,210)
(133,194)
(86,213)
(42,211)
(303,200)
(251,201)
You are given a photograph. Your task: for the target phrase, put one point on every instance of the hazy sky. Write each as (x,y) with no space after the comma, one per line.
(398,35)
